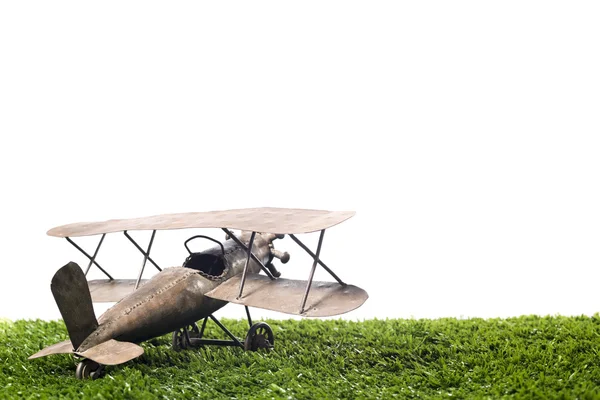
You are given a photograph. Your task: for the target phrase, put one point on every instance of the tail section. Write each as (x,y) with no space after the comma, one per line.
(72,295)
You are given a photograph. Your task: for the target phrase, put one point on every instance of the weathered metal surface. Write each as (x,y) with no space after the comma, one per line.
(180,296)
(65,347)
(70,291)
(171,299)
(267,219)
(240,241)
(107,291)
(112,352)
(285,295)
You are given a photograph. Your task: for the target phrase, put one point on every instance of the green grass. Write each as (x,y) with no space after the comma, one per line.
(526,357)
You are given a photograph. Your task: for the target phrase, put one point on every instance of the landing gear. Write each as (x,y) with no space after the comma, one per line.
(89,369)
(182,337)
(260,336)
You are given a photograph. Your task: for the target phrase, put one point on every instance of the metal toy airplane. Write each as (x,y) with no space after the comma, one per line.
(175,298)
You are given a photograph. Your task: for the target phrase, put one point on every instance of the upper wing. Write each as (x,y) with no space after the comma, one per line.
(266,220)
(285,295)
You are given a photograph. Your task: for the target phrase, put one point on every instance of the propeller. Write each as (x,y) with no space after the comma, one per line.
(284,256)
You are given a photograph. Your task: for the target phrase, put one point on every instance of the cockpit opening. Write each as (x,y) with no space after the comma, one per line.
(209,264)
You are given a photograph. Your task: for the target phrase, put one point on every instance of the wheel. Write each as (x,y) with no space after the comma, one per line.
(89,369)
(179,340)
(181,337)
(260,336)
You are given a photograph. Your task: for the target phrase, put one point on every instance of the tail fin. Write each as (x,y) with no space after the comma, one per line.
(72,295)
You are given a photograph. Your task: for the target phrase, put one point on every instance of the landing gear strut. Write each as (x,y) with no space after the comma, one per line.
(259,336)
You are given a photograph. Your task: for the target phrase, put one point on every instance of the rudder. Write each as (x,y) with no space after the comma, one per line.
(72,295)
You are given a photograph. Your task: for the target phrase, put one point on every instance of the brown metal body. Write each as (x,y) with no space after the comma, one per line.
(177,297)
(174,297)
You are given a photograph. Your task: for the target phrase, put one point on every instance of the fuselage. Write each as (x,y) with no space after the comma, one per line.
(174,297)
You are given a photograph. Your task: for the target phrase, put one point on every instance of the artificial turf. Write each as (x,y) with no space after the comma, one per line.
(525,357)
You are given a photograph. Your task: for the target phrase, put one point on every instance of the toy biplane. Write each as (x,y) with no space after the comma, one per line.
(176,298)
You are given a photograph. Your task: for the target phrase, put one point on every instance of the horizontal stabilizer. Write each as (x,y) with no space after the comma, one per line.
(65,347)
(112,352)
(111,291)
(285,295)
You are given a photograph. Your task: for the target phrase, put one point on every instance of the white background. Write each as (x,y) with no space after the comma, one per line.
(464,134)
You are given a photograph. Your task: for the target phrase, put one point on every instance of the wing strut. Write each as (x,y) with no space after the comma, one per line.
(250,244)
(321,263)
(243,246)
(145,253)
(312,271)
(92,258)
